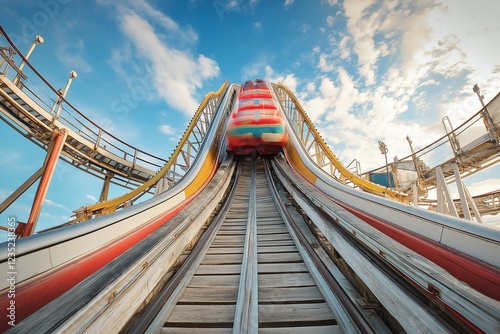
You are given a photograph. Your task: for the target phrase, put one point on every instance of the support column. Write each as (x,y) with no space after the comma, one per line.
(56,146)
(444,200)
(105,187)
(414,187)
(466,199)
(488,121)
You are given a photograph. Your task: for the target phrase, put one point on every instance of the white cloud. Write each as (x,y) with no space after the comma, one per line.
(232,5)
(72,56)
(362,26)
(257,26)
(288,80)
(324,64)
(9,157)
(53,204)
(484,186)
(257,69)
(175,73)
(289,2)
(186,33)
(90,197)
(166,129)
(344,47)
(405,52)
(471,25)
(329,20)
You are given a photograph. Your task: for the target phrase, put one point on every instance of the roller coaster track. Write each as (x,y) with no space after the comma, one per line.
(476,155)
(179,162)
(319,150)
(88,147)
(259,263)
(273,246)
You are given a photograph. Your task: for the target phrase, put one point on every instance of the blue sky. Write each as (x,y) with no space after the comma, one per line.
(364,71)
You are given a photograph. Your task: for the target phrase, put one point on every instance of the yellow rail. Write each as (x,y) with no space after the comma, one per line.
(110,206)
(355,179)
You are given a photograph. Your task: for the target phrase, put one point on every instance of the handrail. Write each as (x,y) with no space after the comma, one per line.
(111,205)
(63,99)
(444,136)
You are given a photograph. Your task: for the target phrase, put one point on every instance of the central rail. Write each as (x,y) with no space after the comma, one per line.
(268,254)
(250,275)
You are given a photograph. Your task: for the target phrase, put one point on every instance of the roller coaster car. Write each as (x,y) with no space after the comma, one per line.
(256,125)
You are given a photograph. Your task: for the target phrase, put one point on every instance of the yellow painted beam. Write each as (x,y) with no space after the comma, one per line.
(297,163)
(360,182)
(111,205)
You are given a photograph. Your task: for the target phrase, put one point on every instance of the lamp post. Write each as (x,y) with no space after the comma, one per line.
(384,150)
(488,122)
(38,40)
(63,92)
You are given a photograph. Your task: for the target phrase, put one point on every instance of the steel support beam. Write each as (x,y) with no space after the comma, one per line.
(56,146)
(105,188)
(466,199)
(19,191)
(444,200)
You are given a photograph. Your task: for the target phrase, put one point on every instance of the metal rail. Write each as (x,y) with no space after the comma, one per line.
(381,286)
(265,296)
(145,318)
(446,160)
(89,146)
(355,316)
(416,280)
(179,162)
(92,149)
(319,151)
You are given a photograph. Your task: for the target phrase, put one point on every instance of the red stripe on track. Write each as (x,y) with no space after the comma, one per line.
(32,295)
(479,275)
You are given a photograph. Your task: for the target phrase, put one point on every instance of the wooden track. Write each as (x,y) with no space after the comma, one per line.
(288,299)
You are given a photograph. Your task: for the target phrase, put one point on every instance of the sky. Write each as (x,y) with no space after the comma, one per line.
(363,70)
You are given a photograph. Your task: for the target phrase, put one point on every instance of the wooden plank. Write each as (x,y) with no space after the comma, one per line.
(235,221)
(199,330)
(263,226)
(262,220)
(275,242)
(285,280)
(229,239)
(273,237)
(214,281)
(208,295)
(272,230)
(217,269)
(220,246)
(247,307)
(231,232)
(277,249)
(277,268)
(201,314)
(328,329)
(279,257)
(239,227)
(225,250)
(222,259)
(290,294)
(283,313)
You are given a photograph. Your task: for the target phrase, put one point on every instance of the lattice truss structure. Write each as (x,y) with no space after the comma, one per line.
(319,151)
(179,162)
